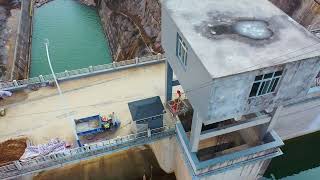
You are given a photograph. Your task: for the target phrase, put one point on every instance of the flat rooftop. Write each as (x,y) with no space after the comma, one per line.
(43,114)
(235,36)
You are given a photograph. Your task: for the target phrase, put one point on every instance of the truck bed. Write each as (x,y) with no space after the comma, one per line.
(88,125)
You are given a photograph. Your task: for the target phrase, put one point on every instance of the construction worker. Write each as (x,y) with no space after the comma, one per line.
(177,102)
(106,125)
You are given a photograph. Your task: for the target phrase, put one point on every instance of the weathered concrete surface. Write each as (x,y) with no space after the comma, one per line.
(165,152)
(305,12)
(227,54)
(171,158)
(231,94)
(131,164)
(132,27)
(39,114)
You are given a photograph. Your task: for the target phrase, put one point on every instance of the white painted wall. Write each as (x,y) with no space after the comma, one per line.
(298,119)
(194,75)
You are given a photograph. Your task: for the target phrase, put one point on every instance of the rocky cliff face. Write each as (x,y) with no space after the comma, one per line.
(132,27)
(8,28)
(305,12)
(9,3)
(4,35)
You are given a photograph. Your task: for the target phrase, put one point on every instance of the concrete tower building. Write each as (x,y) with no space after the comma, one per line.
(239,63)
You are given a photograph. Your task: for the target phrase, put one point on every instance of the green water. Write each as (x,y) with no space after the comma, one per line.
(76,38)
(300,161)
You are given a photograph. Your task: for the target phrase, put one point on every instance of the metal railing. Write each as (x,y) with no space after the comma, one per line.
(40,163)
(84,72)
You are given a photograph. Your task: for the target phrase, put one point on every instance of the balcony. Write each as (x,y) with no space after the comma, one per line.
(232,152)
(232,125)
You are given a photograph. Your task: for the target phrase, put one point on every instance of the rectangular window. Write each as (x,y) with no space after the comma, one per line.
(181,50)
(315,86)
(316,82)
(265,84)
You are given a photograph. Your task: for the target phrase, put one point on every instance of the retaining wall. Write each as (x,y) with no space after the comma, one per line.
(22,52)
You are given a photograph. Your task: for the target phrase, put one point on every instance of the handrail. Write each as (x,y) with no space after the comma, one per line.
(18,168)
(83,72)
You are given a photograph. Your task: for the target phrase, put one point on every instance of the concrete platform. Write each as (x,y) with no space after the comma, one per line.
(43,114)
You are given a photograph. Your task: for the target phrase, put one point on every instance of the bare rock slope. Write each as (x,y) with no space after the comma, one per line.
(305,12)
(132,27)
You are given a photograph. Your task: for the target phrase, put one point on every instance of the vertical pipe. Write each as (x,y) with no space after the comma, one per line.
(169,77)
(195,132)
(53,74)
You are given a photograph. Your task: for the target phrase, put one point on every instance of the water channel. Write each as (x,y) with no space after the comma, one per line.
(75,34)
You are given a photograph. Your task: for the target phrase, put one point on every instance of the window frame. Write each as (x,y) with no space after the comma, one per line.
(181,51)
(263,89)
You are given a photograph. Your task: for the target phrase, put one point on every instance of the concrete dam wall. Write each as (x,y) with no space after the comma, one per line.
(132,27)
(23,43)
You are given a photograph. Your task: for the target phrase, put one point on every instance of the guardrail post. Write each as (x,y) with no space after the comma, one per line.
(90,69)
(53,157)
(18,165)
(159,55)
(67,73)
(15,83)
(149,132)
(41,78)
(137,60)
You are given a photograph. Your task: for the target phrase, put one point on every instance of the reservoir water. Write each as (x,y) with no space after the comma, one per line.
(300,161)
(75,34)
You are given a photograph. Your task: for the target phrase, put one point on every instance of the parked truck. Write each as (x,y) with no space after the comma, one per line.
(95,124)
